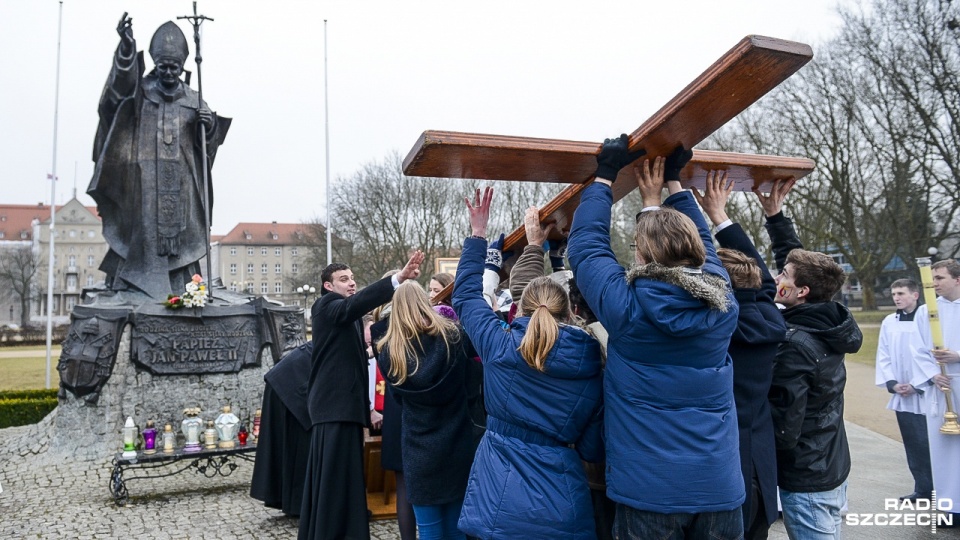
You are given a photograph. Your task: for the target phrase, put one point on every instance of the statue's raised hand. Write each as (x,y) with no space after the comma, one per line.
(125,29)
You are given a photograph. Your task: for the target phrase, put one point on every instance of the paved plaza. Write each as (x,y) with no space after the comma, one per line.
(55,496)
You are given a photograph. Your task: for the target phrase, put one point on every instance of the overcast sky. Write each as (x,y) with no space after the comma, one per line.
(556,69)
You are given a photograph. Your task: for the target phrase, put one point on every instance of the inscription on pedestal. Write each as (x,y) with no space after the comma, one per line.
(173,345)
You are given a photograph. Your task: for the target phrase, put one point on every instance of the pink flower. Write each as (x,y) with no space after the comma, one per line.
(197,278)
(174,300)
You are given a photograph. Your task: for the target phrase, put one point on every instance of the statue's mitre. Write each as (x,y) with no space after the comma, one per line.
(169,42)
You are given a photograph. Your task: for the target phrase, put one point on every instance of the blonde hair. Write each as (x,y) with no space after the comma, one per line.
(412,316)
(670,238)
(743,269)
(547,305)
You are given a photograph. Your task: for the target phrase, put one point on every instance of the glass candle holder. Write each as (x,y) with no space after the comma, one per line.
(129,439)
(169,439)
(149,439)
(210,436)
(227,425)
(192,427)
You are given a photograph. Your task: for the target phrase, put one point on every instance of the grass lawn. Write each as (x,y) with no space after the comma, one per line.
(869,322)
(28,372)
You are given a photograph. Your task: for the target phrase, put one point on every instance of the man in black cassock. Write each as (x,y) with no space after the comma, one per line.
(284,442)
(334,497)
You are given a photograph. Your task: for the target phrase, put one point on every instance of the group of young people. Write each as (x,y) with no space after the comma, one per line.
(664,401)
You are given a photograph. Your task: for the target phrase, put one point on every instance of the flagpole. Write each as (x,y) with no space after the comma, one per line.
(326,136)
(53,202)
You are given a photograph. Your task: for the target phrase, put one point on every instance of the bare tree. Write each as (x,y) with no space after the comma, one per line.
(18,267)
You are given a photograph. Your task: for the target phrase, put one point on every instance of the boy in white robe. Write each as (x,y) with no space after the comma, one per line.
(899,338)
(944,449)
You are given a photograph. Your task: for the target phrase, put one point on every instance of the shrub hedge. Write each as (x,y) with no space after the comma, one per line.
(22,407)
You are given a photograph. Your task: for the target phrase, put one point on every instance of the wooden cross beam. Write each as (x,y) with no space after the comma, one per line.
(738,79)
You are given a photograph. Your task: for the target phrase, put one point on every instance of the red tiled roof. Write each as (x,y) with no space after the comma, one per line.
(18,218)
(264,233)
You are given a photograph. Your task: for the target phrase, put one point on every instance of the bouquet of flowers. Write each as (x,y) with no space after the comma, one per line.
(195,295)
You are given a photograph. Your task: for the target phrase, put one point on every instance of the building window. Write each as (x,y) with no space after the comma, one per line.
(23,235)
(233,251)
(294,251)
(278,287)
(277,269)
(263,287)
(71,283)
(72,260)
(71,301)
(89,281)
(233,287)
(263,251)
(248,236)
(2,234)
(294,268)
(249,268)
(277,251)
(249,251)
(250,287)
(90,260)
(274,236)
(233,268)
(91,234)
(73,233)
(263,268)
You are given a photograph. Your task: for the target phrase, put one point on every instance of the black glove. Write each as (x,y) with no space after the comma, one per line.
(675,163)
(615,155)
(558,250)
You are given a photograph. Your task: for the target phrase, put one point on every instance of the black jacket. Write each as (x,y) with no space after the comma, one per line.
(436,434)
(339,380)
(808,381)
(753,348)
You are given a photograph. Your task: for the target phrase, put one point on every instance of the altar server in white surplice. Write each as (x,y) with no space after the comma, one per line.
(899,339)
(944,449)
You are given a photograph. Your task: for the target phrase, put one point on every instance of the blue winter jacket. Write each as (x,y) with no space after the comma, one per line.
(670,419)
(526,482)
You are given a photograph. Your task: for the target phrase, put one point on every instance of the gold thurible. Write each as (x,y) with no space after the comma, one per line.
(950,425)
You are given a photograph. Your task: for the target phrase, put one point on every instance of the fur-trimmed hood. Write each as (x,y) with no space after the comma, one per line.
(708,288)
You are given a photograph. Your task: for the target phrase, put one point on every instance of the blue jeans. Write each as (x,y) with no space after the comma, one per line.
(439,521)
(813,516)
(631,523)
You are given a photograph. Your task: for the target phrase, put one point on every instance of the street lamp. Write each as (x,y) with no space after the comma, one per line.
(306,291)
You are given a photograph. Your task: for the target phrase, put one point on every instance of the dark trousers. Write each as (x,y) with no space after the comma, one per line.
(631,523)
(913,429)
(756,527)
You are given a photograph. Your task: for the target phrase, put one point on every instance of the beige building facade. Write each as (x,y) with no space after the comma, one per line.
(262,259)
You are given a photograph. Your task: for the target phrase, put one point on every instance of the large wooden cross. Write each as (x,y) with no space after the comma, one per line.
(738,79)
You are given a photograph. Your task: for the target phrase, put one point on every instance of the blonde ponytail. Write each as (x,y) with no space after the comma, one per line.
(546,303)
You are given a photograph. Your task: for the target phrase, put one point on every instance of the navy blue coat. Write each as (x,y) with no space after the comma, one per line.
(670,419)
(526,482)
(436,434)
(753,347)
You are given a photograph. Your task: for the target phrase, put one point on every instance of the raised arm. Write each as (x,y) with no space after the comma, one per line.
(530,264)
(782,233)
(599,276)
(731,235)
(478,320)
